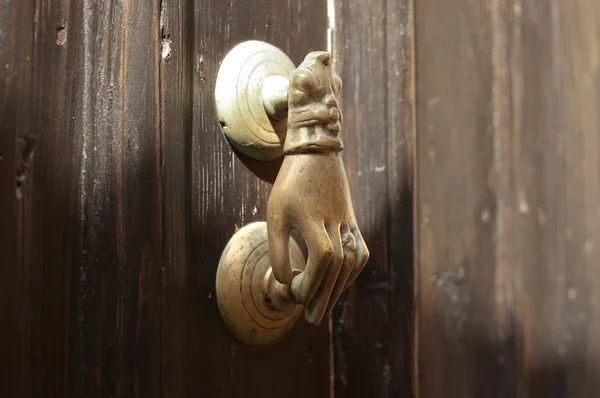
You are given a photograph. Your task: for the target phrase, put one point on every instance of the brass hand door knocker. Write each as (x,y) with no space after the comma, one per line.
(263,281)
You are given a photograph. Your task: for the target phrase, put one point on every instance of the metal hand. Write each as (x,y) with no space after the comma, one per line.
(311,194)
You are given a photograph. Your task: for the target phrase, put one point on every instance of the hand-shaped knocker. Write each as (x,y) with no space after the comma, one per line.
(311,193)
(263,280)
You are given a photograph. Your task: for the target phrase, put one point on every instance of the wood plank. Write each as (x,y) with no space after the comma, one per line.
(116,119)
(15,126)
(373,323)
(558,196)
(37,200)
(466,335)
(84,140)
(507,198)
(226,192)
(49,191)
(176,88)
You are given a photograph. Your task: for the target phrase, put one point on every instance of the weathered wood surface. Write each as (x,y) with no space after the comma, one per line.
(225,193)
(508,198)
(118,193)
(373,324)
(16,295)
(38,202)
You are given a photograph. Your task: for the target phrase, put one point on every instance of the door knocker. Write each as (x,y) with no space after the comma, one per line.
(267,109)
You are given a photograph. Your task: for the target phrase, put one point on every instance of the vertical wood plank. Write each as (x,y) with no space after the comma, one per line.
(82,198)
(16,43)
(373,323)
(176,78)
(464,199)
(116,117)
(49,196)
(507,198)
(558,195)
(37,200)
(209,191)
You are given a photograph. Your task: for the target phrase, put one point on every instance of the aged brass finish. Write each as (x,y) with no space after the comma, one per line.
(248,74)
(255,307)
(263,281)
(274,97)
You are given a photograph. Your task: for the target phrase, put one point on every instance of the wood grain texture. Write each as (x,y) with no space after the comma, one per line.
(176,86)
(37,202)
(88,200)
(226,194)
(118,194)
(15,128)
(117,118)
(508,198)
(373,323)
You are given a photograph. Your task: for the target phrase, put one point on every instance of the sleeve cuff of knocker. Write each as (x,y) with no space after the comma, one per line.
(323,144)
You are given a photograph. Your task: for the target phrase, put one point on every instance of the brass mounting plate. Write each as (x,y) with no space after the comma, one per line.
(239,101)
(239,287)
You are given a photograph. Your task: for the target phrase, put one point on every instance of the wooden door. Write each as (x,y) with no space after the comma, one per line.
(118,193)
(508,198)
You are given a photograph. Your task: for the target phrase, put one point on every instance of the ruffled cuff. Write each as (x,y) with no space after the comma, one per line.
(314,119)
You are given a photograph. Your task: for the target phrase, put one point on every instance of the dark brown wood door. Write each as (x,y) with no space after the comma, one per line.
(118,193)
(508,198)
